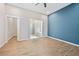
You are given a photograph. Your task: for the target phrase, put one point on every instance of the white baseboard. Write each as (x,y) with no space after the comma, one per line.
(1,45)
(10,37)
(64,41)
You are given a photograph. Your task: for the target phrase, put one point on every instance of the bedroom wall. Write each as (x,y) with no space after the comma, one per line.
(2,24)
(23,20)
(64,24)
(22,14)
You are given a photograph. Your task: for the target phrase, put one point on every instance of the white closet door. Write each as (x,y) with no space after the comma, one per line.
(12,27)
(38,27)
(23,29)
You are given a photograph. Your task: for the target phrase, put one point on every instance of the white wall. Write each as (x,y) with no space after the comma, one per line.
(24,16)
(24,31)
(2,24)
(45,25)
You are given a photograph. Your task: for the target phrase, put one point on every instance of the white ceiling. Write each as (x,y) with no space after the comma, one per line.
(51,7)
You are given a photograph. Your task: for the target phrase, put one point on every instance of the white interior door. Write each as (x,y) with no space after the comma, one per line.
(11,27)
(23,29)
(38,27)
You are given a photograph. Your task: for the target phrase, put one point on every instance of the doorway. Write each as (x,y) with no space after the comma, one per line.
(36,28)
(11,27)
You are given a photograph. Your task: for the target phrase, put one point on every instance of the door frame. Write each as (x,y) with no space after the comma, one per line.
(7,25)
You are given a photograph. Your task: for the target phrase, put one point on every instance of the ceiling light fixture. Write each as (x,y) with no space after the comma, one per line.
(45,5)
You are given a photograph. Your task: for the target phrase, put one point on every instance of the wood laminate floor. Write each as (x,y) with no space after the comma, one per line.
(38,47)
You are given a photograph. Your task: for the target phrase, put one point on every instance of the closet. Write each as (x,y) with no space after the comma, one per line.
(11,27)
(17,27)
(36,28)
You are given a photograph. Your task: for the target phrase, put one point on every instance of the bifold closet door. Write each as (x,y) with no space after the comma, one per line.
(38,27)
(12,27)
(23,29)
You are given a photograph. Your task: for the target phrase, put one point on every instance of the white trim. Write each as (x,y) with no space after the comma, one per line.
(3,43)
(63,41)
(18,28)
(18,17)
(6,37)
(11,37)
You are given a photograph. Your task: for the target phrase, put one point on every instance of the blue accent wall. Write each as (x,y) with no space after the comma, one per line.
(64,24)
